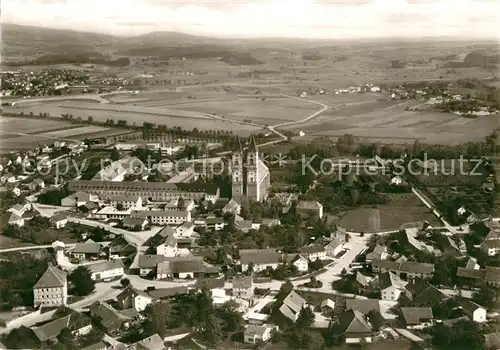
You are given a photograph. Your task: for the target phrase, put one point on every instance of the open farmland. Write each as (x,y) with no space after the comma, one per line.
(403,208)
(388,121)
(133,115)
(18,133)
(267,109)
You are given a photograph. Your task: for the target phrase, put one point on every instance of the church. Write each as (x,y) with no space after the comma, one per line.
(250,177)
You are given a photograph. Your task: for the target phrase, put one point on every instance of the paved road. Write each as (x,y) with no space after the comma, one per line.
(34,247)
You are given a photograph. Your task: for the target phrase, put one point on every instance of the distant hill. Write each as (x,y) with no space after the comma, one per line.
(50,46)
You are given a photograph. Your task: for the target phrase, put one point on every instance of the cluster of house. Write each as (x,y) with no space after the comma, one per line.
(48,81)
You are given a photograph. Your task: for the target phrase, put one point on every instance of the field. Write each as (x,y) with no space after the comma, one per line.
(267,109)
(132,114)
(388,121)
(403,208)
(24,133)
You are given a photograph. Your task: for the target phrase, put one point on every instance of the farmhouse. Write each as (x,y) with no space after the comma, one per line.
(59,220)
(87,250)
(391,286)
(292,305)
(417,317)
(300,262)
(334,247)
(474,311)
(134,298)
(107,270)
(313,252)
(261,259)
(153,191)
(406,269)
(354,327)
(256,334)
(243,287)
(77,323)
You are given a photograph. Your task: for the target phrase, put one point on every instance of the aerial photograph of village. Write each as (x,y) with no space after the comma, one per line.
(262,174)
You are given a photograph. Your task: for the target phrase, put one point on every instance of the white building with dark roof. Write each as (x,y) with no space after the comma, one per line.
(261,259)
(51,289)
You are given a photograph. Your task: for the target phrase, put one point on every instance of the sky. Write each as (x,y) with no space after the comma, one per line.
(327,19)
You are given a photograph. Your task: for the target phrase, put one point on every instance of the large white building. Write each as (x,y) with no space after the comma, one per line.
(51,289)
(164,217)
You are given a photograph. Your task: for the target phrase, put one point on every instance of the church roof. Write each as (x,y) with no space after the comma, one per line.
(237,144)
(252,145)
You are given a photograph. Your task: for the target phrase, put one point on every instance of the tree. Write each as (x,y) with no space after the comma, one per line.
(125,282)
(81,278)
(157,315)
(120,207)
(486,297)
(67,339)
(115,155)
(464,334)
(232,318)
(305,319)
(285,289)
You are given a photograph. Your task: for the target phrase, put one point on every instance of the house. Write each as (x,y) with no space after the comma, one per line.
(168,248)
(491,246)
(313,252)
(214,223)
(363,281)
(20,209)
(180,267)
(89,250)
(120,247)
(327,306)
(125,201)
(404,270)
(163,217)
(78,199)
(51,289)
(185,229)
(232,207)
(76,322)
(134,298)
(334,247)
(138,224)
(469,277)
(423,294)
(111,319)
(16,220)
(260,259)
(107,270)
(353,326)
(310,208)
(472,264)
(417,317)
(492,275)
(363,306)
(89,208)
(391,286)
(216,288)
(153,342)
(243,287)
(59,220)
(180,204)
(379,252)
(16,191)
(148,264)
(166,293)
(408,239)
(292,305)
(257,334)
(300,262)
(474,311)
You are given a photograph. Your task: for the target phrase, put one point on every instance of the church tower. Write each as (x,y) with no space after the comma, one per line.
(252,170)
(237,171)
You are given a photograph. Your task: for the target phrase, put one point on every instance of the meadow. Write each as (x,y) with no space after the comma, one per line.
(402,208)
